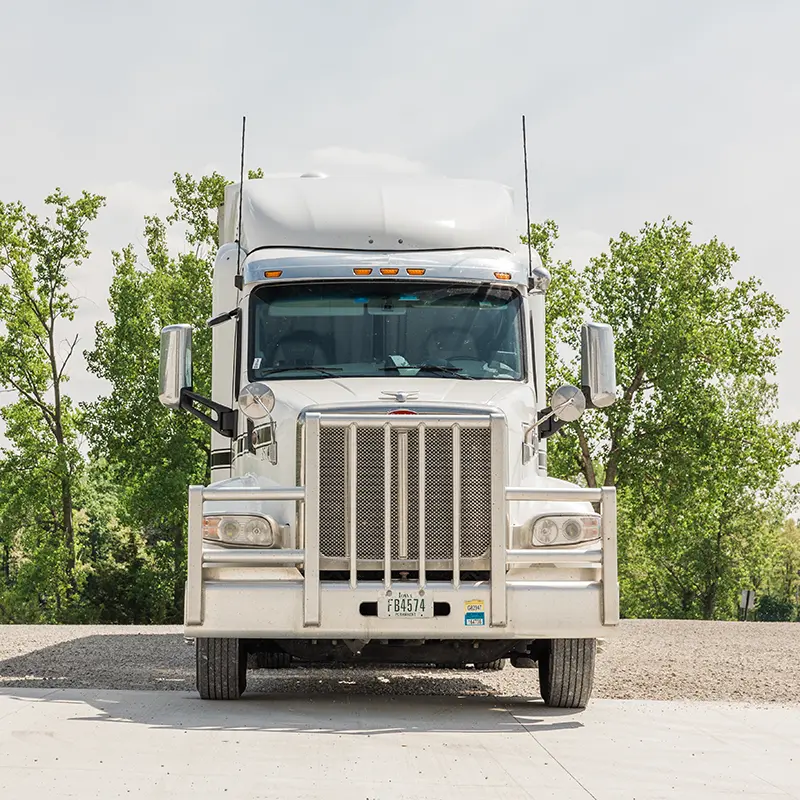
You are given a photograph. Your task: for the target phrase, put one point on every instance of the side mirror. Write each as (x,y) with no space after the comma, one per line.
(175,364)
(598,367)
(568,403)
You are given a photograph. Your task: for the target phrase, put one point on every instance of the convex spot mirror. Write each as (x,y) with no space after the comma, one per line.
(256,401)
(598,367)
(175,364)
(568,403)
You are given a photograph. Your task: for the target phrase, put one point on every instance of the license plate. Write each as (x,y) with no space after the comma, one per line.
(405,604)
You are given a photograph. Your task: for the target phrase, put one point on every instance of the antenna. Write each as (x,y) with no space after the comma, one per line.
(241,192)
(527,196)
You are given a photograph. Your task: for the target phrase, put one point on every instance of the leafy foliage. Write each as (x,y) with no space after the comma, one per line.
(154,453)
(42,466)
(774,609)
(691,444)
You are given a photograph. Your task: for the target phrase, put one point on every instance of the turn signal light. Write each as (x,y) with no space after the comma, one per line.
(273,273)
(362,271)
(503,276)
(389,270)
(415,271)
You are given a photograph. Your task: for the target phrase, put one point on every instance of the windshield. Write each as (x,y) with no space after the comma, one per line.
(385,328)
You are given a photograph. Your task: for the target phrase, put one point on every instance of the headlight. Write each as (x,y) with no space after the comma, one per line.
(546,531)
(243,531)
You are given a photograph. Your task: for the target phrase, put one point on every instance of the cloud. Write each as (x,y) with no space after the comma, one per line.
(358,161)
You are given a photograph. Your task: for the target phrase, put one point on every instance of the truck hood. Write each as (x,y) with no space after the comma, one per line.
(514,399)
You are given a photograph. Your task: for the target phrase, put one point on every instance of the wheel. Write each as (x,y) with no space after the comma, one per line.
(566,672)
(221,668)
(491,666)
(262,660)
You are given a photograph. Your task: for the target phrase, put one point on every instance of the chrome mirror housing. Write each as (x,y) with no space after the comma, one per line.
(175,364)
(598,367)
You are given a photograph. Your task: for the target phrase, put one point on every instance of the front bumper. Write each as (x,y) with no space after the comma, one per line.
(274,609)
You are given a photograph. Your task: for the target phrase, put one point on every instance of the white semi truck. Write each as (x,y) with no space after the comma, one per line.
(379,420)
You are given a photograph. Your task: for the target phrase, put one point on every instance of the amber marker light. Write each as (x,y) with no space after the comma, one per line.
(362,271)
(503,276)
(389,270)
(273,273)
(415,271)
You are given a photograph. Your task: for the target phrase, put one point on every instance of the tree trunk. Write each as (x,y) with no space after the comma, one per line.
(66,477)
(69,533)
(586,458)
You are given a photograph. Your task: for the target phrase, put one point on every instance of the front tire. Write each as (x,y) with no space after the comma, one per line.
(566,672)
(221,668)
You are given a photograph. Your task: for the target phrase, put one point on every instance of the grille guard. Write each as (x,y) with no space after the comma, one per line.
(307,496)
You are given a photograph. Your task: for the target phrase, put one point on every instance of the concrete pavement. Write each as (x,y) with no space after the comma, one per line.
(106,744)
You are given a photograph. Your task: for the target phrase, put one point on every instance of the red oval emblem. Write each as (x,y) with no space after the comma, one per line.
(402,411)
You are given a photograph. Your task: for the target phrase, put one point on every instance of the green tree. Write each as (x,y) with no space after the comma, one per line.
(691,443)
(43,462)
(154,453)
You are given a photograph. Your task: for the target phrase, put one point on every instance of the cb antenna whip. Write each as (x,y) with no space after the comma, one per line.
(241,192)
(527,195)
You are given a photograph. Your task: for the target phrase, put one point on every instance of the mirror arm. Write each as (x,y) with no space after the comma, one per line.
(587,393)
(224,317)
(224,424)
(549,423)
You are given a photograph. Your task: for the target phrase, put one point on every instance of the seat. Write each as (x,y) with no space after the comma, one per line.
(446,343)
(301,349)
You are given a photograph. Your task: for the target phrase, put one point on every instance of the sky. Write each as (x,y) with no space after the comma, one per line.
(635,110)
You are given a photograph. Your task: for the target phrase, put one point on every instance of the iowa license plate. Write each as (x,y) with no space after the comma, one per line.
(405,604)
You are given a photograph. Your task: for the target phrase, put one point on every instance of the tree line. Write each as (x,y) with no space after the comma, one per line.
(93,494)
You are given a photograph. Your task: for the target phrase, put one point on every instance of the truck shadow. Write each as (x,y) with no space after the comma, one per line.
(93,676)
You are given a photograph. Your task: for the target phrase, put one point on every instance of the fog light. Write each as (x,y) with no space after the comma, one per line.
(560,530)
(248,531)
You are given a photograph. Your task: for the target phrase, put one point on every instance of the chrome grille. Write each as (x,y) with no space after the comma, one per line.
(475,490)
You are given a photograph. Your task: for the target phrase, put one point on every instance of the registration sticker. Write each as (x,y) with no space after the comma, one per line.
(257,363)
(474,613)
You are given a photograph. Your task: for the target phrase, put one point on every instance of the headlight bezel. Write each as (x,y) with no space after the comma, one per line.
(584,528)
(213,524)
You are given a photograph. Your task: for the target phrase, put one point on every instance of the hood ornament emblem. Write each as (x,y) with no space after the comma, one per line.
(400,397)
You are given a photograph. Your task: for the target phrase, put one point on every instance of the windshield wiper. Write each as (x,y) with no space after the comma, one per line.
(301,367)
(439,369)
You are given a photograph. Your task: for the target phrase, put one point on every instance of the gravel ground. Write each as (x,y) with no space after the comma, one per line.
(649,659)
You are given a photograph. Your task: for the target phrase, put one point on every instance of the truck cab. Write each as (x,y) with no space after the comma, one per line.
(379,424)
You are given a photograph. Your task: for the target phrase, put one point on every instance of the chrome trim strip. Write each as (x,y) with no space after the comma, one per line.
(194,559)
(244,495)
(456,506)
(462,264)
(576,495)
(501,528)
(406,421)
(311,605)
(610,578)
(402,494)
(421,451)
(251,557)
(387,506)
(554,557)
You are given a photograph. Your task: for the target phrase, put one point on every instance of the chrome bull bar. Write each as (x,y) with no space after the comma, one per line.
(307,557)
